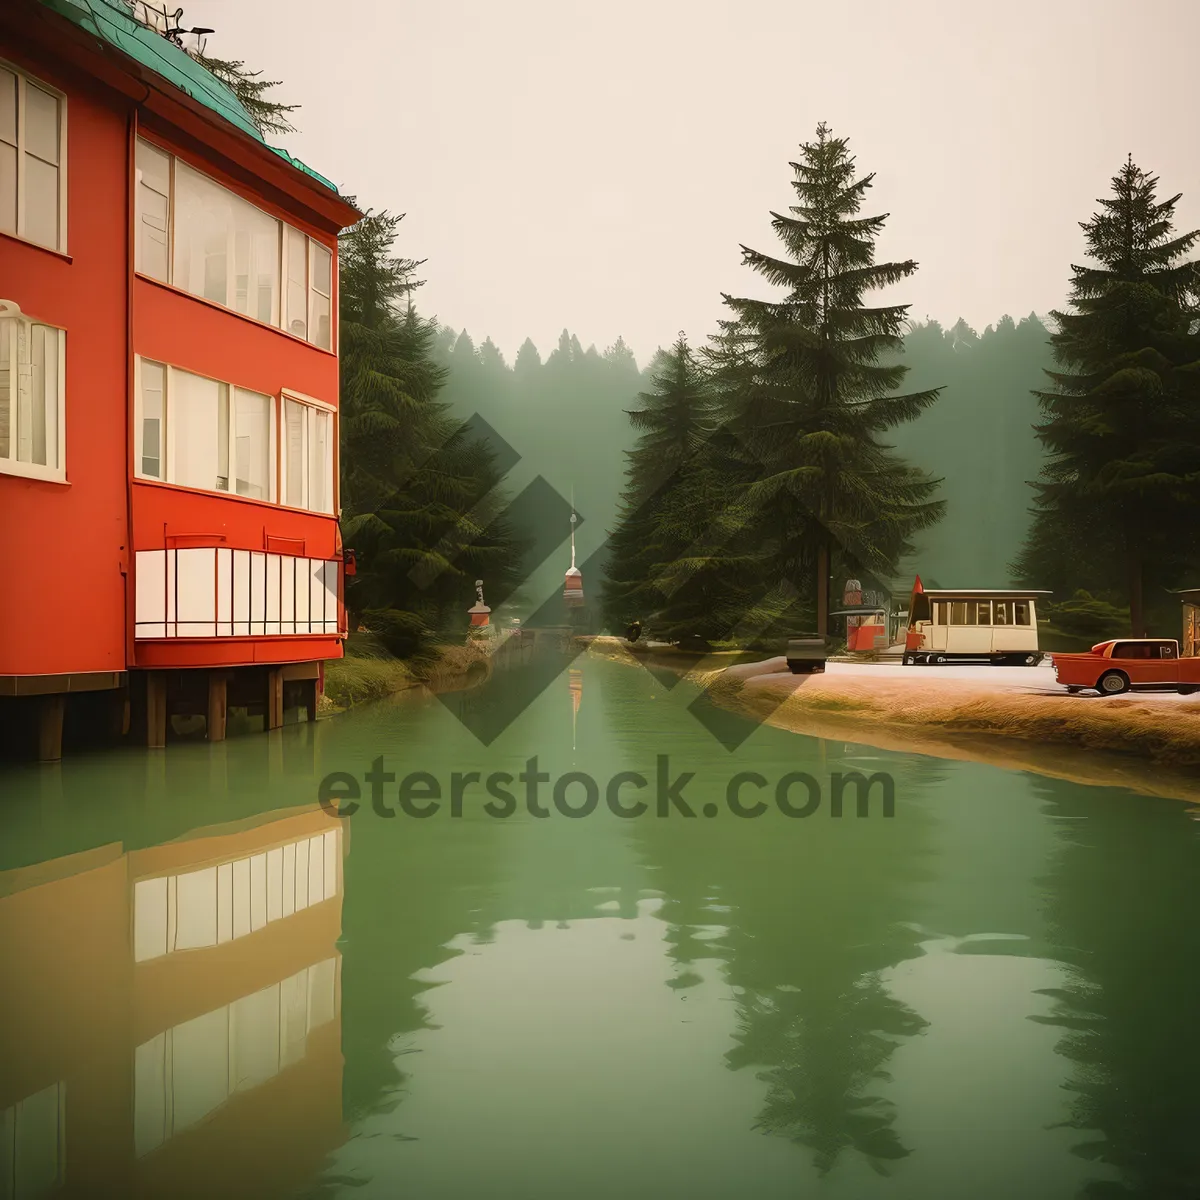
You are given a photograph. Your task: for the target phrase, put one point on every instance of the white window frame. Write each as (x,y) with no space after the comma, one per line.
(138,216)
(286,233)
(308,403)
(23,81)
(12,465)
(167,445)
(311,291)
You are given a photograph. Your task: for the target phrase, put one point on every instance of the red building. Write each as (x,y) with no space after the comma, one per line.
(168,380)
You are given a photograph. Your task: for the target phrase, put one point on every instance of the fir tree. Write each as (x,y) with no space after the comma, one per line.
(1119,494)
(269,116)
(413,482)
(528,360)
(674,562)
(815,402)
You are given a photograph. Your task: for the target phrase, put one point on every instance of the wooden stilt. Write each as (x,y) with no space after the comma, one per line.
(119,713)
(156,710)
(216,705)
(50,724)
(274,698)
(310,698)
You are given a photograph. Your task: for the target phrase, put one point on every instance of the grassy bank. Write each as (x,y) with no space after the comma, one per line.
(369,672)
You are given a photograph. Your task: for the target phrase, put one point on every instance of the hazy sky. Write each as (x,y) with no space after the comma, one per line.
(597,165)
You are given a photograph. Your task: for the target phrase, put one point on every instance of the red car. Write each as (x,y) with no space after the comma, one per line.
(1120,665)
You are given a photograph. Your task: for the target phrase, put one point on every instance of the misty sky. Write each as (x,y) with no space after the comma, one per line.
(597,165)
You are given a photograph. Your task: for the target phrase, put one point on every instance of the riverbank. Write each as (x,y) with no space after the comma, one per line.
(1017,718)
(369,672)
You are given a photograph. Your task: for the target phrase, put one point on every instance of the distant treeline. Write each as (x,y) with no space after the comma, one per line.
(568,419)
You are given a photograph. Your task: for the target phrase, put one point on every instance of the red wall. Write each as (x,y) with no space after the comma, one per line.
(62,546)
(175,328)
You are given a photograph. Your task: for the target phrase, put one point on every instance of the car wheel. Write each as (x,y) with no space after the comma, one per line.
(1073,690)
(1113,683)
(1187,689)
(795,668)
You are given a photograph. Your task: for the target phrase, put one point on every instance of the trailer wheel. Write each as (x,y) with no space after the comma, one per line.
(1112,683)
(941,658)
(906,660)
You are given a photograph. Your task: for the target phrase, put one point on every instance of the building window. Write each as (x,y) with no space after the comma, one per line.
(320,295)
(199,236)
(297,284)
(152,253)
(308,441)
(225,249)
(32,160)
(252,444)
(32,396)
(193,431)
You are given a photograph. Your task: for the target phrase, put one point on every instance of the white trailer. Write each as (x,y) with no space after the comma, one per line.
(978,625)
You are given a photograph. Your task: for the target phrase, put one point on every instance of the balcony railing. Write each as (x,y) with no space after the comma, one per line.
(213,592)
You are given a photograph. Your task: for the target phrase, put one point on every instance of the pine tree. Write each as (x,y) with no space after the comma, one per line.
(620,356)
(269,116)
(1119,494)
(812,411)
(528,360)
(671,422)
(674,561)
(412,478)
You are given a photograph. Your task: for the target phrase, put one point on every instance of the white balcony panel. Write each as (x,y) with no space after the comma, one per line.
(258,593)
(303,594)
(241,593)
(274,571)
(211,591)
(287,595)
(151,591)
(224,592)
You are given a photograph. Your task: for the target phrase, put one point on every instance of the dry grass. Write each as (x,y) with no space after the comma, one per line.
(1166,732)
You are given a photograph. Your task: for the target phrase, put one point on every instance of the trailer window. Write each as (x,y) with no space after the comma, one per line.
(962,612)
(1021,612)
(984,612)
(1001,612)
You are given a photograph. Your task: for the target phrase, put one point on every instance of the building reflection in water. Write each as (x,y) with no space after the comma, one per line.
(170,1021)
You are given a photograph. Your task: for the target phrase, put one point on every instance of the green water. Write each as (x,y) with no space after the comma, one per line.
(991,993)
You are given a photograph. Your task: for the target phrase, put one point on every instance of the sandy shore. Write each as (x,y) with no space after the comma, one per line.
(1016,717)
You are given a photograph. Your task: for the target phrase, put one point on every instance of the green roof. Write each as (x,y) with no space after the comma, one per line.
(112,22)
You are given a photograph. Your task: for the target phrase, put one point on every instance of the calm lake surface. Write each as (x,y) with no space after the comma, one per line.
(212,987)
